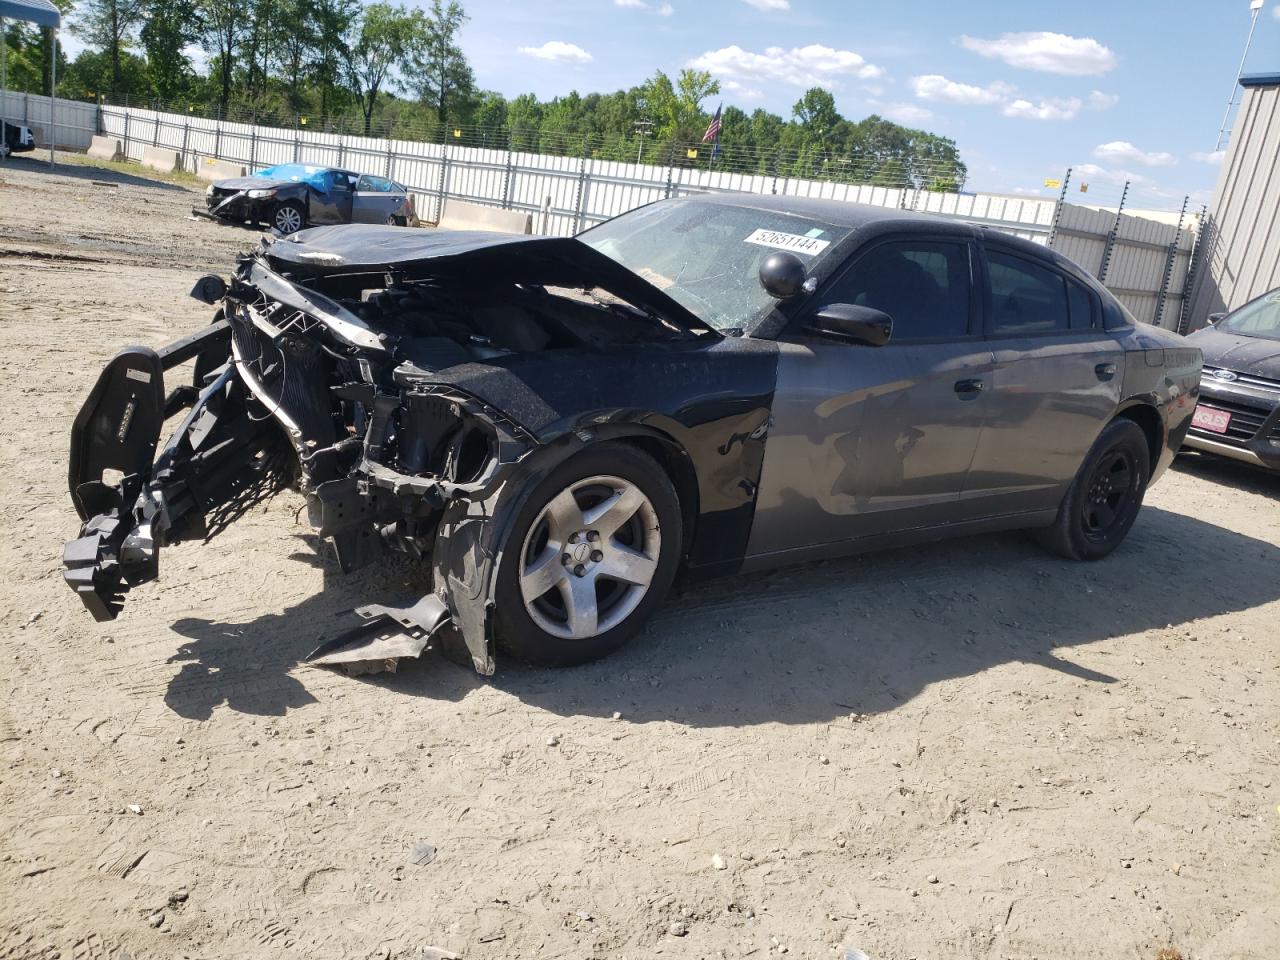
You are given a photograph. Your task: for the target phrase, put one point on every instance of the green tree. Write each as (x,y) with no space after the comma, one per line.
(438,68)
(223,27)
(384,36)
(111,26)
(169,28)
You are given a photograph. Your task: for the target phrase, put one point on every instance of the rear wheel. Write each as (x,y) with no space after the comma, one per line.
(591,555)
(1105,497)
(288,217)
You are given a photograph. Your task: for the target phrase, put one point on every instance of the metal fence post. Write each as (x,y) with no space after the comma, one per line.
(1110,246)
(444,179)
(217,139)
(388,165)
(253,142)
(186,139)
(671,170)
(580,194)
(155,133)
(506,181)
(127,116)
(1057,207)
(1168,265)
(1198,255)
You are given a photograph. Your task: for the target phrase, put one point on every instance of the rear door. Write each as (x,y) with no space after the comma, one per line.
(869,440)
(376,200)
(1056,382)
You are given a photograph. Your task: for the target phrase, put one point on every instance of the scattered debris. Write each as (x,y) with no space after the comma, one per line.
(422,854)
(717,862)
(553,741)
(156,919)
(436,953)
(134,808)
(678,928)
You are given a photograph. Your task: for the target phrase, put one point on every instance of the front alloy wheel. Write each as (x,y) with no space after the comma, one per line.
(589,558)
(287,218)
(591,552)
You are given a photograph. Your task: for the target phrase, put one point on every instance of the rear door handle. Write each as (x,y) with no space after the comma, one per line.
(1105,371)
(968,389)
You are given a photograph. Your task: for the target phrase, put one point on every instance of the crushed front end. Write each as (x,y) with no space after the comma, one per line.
(324,371)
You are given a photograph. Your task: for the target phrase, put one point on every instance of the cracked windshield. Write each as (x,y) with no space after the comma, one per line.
(706,256)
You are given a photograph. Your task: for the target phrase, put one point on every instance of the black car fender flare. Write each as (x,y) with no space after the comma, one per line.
(473,536)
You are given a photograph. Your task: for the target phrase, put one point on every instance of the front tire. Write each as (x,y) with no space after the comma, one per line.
(1104,499)
(592,553)
(288,217)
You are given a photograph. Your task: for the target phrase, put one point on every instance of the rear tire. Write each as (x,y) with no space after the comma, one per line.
(1104,499)
(559,602)
(288,217)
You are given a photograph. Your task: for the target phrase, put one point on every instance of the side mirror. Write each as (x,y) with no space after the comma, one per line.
(865,326)
(1216,318)
(782,275)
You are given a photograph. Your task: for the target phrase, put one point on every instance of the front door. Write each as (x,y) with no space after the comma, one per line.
(332,205)
(869,440)
(1056,384)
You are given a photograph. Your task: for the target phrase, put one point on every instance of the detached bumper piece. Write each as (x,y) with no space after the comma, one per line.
(387,634)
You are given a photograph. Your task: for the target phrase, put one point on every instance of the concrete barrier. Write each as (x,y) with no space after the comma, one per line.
(458,215)
(105,148)
(210,168)
(158,158)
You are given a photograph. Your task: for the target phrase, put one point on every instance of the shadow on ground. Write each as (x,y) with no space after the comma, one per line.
(1230,473)
(801,645)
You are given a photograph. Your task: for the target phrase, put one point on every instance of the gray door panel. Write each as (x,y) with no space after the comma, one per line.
(867,440)
(1050,398)
(373,207)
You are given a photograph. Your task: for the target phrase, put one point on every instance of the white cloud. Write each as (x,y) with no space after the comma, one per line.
(661,9)
(1102,101)
(1275,12)
(936,87)
(907,113)
(1091,171)
(558,51)
(811,66)
(1217,156)
(1122,151)
(769,4)
(1047,52)
(1054,108)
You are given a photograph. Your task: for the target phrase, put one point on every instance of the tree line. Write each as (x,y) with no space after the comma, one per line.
(380,68)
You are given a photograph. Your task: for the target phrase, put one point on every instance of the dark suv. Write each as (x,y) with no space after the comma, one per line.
(1239,411)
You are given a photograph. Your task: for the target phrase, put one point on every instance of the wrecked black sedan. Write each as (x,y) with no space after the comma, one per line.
(292,196)
(561,426)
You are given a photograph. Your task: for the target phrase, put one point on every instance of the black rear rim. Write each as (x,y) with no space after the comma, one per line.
(1111,495)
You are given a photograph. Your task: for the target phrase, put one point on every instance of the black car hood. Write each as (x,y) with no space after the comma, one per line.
(1255,355)
(478,257)
(254,183)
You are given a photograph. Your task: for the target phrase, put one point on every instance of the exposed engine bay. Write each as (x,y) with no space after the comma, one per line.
(337,364)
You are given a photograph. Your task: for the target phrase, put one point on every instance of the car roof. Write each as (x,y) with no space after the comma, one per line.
(839,213)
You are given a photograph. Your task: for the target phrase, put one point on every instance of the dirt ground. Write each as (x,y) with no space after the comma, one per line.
(968,750)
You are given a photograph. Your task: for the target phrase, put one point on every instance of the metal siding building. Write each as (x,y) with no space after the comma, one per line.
(1239,258)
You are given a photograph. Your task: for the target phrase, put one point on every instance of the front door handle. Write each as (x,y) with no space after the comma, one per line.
(969,389)
(1105,371)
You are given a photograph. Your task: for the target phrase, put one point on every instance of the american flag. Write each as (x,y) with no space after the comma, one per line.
(713,129)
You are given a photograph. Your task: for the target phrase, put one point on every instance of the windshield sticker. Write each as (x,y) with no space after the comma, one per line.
(787,241)
(815,233)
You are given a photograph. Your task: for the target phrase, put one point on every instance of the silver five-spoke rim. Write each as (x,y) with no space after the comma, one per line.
(589,557)
(288,219)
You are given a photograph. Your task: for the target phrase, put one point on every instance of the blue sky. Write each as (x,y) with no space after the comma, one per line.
(1127,89)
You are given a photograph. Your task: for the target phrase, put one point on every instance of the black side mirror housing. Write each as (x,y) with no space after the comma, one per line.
(782,275)
(864,326)
(1216,318)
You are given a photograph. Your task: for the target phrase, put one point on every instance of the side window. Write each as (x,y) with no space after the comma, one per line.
(1083,312)
(371,184)
(1026,297)
(923,284)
